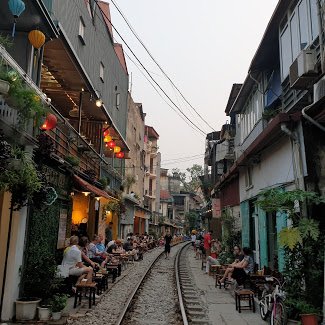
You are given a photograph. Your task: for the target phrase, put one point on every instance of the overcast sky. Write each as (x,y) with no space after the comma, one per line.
(204,46)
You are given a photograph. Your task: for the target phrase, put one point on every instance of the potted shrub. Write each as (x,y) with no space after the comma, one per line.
(44,312)
(58,303)
(26,308)
(308,314)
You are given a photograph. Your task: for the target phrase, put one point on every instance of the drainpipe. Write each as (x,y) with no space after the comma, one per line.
(320,34)
(307,117)
(300,184)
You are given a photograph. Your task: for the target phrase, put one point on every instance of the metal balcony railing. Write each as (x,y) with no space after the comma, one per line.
(67,141)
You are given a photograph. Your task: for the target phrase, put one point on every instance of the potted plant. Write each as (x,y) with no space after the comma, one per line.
(58,303)
(72,160)
(309,314)
(44,312)
(26,308)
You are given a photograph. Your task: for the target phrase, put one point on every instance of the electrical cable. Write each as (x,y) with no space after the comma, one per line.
(143,67)
(158,65)
(154,87)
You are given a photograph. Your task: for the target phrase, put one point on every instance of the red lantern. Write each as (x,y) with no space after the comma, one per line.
(50,123)
(120,154)
(111,144)
(106,133)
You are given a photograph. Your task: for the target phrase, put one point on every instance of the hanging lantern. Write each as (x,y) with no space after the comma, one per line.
(16,7)
(117,149)
(50,123)
(120,155)
(111,144)
(106,133)
(36,38)
(107,138)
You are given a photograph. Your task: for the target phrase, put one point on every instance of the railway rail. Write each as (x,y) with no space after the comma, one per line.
(187,308)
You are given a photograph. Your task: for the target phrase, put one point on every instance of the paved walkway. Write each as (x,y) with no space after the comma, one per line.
(219,302)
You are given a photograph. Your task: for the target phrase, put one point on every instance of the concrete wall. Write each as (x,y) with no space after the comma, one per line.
(98,48)
(135,140)
(15,254)
(275,168)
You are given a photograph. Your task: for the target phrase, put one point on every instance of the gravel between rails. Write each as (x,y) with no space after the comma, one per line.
(108,309)
(156,302)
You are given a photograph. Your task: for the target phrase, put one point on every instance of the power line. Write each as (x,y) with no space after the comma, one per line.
(143,67)
(154,87)
(200,155)
(154,60)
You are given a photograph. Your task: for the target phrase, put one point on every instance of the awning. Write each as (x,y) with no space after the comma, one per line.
(91,188)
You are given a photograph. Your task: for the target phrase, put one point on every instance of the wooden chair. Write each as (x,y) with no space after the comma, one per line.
(84,285)
(244,295)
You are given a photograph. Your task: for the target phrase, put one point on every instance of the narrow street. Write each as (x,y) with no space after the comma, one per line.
(130,126)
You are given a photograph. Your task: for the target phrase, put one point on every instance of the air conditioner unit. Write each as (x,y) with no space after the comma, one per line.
(303,69)
(319,90)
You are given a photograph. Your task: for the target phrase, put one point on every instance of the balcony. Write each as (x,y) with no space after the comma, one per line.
(68,142)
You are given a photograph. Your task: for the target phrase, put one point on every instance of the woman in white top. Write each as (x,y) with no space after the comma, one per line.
(72,260)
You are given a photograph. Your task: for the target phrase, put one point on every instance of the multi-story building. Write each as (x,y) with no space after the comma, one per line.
(152,176)
(78,75)
(137,221)
(278,117)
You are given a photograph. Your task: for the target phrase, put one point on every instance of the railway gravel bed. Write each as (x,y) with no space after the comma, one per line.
(156,301)
(110,305)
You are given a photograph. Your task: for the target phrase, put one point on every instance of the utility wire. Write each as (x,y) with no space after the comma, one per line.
(143,67)
(157,91)
(183,157)
(158,65)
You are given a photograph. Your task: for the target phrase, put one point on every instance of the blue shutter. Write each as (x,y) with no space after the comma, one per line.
(244,213)
(263,242)
(281,222)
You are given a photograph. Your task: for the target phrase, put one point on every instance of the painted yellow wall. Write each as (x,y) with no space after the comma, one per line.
(80,207)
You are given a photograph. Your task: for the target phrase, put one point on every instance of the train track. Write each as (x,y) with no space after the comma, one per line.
(188,309)
(190,304)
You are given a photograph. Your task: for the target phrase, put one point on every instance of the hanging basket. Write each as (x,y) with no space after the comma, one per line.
(4,87)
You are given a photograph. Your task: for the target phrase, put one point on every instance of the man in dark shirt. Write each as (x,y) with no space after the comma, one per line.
(168,239)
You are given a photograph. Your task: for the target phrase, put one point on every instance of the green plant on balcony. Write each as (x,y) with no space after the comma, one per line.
(20,178)
(23,98)
(268,114)
(72,160)
(6,41)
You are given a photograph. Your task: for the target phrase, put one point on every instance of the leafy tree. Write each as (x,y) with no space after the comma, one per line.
(194,175)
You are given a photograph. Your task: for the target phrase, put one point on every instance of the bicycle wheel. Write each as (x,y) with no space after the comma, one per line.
(264,305)
(279,314)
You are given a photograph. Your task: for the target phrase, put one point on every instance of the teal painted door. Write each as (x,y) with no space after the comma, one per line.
(263,242)
(281,222)
(244,213)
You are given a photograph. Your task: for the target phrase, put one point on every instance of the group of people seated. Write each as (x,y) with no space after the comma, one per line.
(237,271)
(84,257)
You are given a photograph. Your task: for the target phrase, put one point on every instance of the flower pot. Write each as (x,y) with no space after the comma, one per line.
(26,308)
(43,313)
(309,319)
(56,315)
(4,87)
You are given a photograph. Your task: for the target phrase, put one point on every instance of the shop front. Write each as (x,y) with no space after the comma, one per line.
(141,219)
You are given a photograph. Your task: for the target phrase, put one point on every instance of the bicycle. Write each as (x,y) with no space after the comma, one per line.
(271,303)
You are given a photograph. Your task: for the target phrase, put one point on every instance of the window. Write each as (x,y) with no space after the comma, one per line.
(101,71)
(81,34)
(251,114)
(297,31)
